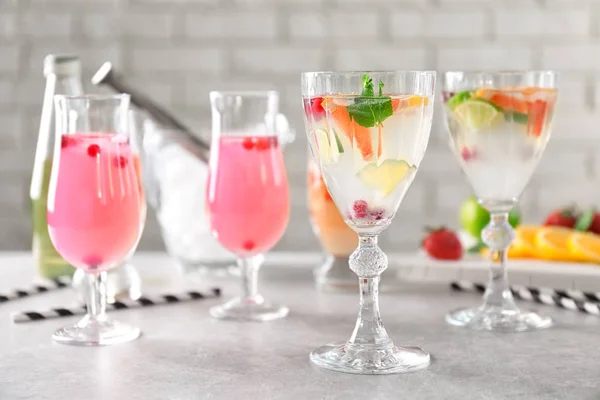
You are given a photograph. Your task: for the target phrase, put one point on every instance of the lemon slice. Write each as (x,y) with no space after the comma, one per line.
(387,176)
(478,114)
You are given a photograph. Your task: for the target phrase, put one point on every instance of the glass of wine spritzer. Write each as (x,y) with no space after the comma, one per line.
(368,132)
(499,125)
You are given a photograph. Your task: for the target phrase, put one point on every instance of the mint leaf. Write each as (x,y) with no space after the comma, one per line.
(519,118)
(368,89)
(585,220)
(369,110)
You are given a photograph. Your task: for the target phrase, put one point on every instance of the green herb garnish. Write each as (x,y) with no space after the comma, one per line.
(369,110)
(519,118)
(457,99)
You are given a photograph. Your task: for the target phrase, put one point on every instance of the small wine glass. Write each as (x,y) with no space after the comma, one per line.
(124,281)
(368,132)
(94,205)
(247,192)
(499,124)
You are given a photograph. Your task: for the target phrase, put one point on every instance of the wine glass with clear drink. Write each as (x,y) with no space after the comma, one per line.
(499,125)
(247,192)
(368,132)
(94,205)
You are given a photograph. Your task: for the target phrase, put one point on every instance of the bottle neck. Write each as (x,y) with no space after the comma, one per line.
(68,85)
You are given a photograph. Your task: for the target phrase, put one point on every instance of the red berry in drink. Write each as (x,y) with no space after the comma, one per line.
(377,213)
(360,209)
(248,245)
(67,141)
(120,161)
(248,143)
(263,143)
(93,150)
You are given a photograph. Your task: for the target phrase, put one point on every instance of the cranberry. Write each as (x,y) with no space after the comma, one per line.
(360,208)
(93,150)
(67,141)
(93,261)
(248,245)
(377,213)
(264,143)
(467,154)
(248,143)
(120,161)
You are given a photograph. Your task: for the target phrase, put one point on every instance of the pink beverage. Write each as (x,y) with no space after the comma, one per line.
(94,202)
(248,198)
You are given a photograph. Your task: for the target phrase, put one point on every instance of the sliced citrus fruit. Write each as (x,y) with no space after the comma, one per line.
(478,114)
(552,244)
(411,101)
(358,135)
(324,146)
(525,239)
(512,253)
(387,176)
(585,246)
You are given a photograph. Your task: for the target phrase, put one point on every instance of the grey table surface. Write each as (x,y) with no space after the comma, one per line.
(185,354)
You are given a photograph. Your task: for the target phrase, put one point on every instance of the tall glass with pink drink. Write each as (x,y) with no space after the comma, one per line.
(247,193)
(94,205)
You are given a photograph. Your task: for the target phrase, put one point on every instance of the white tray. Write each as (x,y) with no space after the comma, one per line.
(535,273)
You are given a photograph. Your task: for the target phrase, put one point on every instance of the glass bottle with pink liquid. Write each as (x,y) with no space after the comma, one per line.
(94,205)
(247,192)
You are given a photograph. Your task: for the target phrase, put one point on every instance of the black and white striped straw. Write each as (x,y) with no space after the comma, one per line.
(144,301)
(35,288)
(570,300)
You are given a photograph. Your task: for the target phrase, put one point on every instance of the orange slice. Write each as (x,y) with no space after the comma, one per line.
(525,240)
(513,253)
(412,101)
(552,244)
(585,246)
(358,135)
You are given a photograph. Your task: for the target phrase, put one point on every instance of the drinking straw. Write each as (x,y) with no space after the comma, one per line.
(144,301)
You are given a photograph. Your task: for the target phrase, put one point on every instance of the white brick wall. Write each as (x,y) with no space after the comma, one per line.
(178,50)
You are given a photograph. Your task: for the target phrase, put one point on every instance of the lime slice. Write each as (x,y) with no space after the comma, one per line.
(336,142)
(478,114)
(386,176)
(324,146)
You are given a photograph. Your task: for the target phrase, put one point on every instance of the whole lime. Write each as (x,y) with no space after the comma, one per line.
(473,217)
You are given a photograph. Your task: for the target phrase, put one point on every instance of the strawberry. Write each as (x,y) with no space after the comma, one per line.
(442,244)
(565,217)
(589,221)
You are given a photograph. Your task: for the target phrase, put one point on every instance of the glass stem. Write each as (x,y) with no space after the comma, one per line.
(498,235)
(249,270)
(96,296)
(368,262)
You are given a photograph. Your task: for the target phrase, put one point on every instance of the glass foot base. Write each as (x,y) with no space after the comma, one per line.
(96,333)
(244,310)
(370,360)
(497,319)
